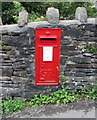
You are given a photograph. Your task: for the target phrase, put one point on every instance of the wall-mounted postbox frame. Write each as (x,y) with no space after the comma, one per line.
(47,56)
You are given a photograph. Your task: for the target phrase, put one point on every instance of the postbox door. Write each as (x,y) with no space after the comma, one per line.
(47,63)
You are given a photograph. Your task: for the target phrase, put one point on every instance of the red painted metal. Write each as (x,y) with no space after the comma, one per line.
(47,56)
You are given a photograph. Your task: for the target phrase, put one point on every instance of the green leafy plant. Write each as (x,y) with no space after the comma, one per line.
(10,106)
(10,12)
(80,62)
(91,48)
(1,43)
(1,107)
(63,81)
(36,17)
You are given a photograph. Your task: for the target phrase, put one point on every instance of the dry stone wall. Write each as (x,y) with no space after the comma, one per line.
(78,57)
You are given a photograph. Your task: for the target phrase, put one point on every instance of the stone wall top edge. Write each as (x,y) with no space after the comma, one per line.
(14,27)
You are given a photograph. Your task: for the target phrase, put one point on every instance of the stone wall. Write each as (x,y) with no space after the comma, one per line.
(78,61)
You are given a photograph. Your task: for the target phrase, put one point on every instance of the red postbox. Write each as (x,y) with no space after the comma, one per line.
(47,56)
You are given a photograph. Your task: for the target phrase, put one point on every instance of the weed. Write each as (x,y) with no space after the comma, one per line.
(90,48)
(10,106)
(63,81)
(1,43)
(80,62)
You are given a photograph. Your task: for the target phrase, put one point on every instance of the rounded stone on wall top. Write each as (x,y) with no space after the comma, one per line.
(81,14)
(52,15)
(96,20)
(95,4)
(1,21)
(23,18)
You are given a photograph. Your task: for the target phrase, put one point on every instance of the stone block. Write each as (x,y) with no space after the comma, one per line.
(94,66)
(10,91)
(82,79)
(94,52)
(7,72)
(7,40)
(88,33)
(23,18)
(87,39)
(5,82)
(19,73)
(6,64)
(11,52)
(5,78)
(1,21)
(81,14)
(78,74)
(6,48)
(15,33)
(70,53)
(79,43)
(68,48)
(30,69)
(94,60)
(4,56)
(19,65)
(88,54)
(96,20)
(80,60)
(85,70)
(87,27)
(52,15)
(69,73)
(64,42)
(90,74)
(93,44)
(31,90)
(63,60)
(78,66)
(10,85)
(74,32)
(95,4)
(19,80)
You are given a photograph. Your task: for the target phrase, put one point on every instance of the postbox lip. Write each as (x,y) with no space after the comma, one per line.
(50,36)
(48,28)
